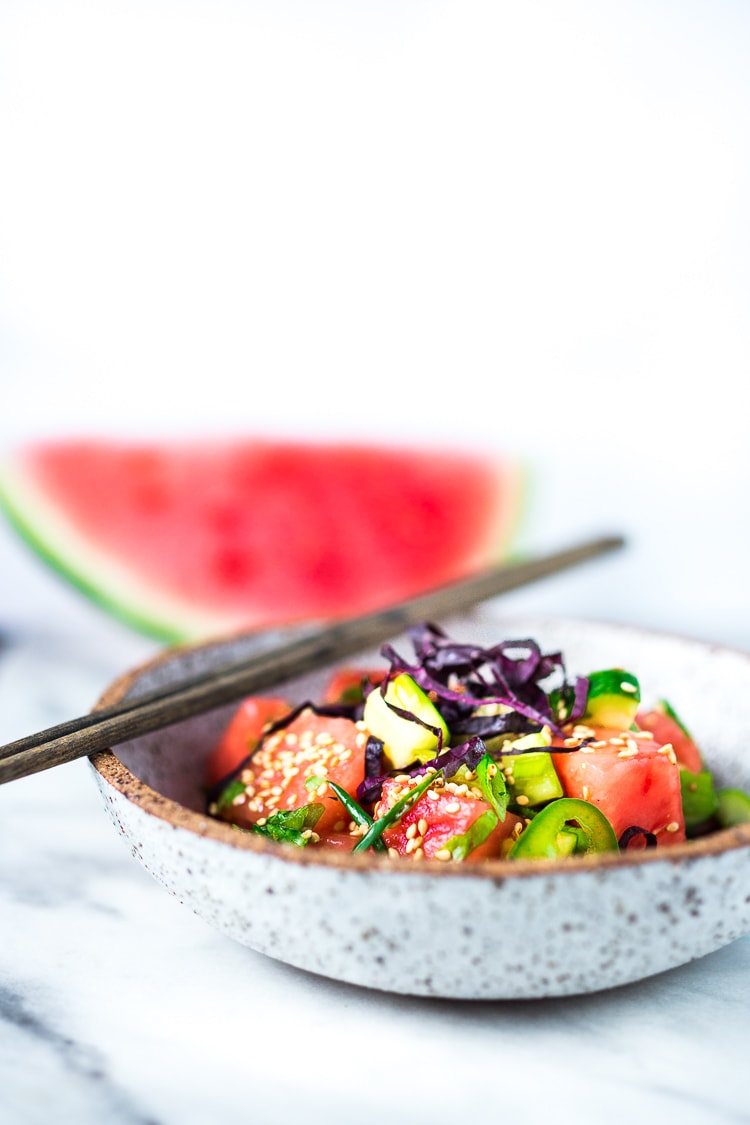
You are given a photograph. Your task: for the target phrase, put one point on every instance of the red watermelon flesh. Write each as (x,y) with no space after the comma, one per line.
(185,539)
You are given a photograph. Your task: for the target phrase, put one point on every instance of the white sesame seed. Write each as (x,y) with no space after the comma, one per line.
(673,826)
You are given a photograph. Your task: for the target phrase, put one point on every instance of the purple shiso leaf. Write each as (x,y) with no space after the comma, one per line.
(580,699)
(373,757)
(491,675)
(633,833)
(468,754)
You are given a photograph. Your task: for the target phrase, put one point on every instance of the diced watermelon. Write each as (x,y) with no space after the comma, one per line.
(437,818)
(311,746)
(633,780)
(348,685)
(243,734)
(667,728)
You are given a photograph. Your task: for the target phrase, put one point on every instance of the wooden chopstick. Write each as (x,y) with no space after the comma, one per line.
(304,650)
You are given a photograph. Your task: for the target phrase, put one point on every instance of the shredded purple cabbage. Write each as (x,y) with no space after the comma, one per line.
(633,833)
(466,676)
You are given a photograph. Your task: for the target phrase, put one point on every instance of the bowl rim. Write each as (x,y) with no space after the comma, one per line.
(113,771)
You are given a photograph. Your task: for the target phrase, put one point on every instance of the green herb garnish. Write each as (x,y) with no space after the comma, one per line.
(291,826)
(228,794)
(492,784)
(461,846)
(395,813)
(355,810)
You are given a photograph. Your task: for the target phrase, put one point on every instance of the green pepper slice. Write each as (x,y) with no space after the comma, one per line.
(565,827)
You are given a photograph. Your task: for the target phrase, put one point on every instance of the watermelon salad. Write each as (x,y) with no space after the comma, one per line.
(465,753)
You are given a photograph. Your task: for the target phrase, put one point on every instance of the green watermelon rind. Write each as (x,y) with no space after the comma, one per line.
(144,611)
(117,591)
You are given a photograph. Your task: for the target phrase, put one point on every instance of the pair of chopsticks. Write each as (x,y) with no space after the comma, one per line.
(305,650)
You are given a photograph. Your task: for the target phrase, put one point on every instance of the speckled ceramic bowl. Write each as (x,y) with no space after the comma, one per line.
(498,930)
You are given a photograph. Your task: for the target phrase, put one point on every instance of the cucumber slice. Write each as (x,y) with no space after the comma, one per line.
(410,737)
(613,699)
(531,778)
(699,801)
(733,807)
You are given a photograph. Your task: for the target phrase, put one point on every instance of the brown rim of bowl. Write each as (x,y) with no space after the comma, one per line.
(117,774)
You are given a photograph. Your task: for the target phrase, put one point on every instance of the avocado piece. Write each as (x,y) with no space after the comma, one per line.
(613,699)
(405,740)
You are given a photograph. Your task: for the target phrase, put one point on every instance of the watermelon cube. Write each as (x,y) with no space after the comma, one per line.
(631,777)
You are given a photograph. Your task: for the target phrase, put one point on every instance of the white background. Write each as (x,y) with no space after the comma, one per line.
(522,227)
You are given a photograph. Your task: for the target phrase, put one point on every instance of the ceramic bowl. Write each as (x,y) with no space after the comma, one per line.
(503,929)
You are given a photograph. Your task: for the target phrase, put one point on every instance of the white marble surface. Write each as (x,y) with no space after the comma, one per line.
(517,226)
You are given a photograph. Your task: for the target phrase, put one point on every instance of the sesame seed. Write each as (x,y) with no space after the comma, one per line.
(628,753)
(453,806)
(665,749)
(433,796)
(411,832)
(393,853)
(673,826)
(418,853)
(443,855)
(522,799)
(422,826)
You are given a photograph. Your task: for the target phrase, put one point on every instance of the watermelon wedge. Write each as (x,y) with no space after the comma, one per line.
(191,539)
